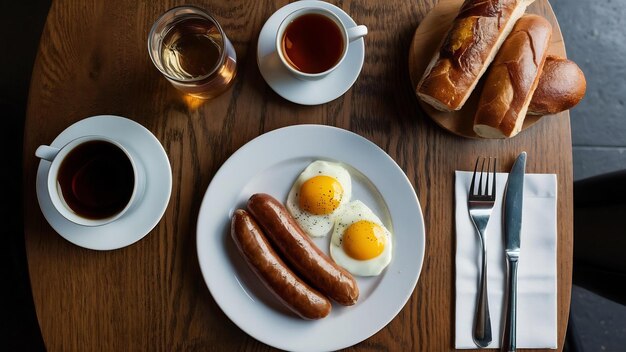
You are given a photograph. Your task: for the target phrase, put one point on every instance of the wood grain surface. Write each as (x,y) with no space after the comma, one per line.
(150,296)
(426,41)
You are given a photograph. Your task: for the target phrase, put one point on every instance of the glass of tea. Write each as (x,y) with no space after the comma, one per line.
(312,42)
(92,180)
(190,49)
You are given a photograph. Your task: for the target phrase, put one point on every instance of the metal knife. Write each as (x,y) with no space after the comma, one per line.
(513,201)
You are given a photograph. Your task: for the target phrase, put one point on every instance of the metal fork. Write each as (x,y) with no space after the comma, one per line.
(480,204)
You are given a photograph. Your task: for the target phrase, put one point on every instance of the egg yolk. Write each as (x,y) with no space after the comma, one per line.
(320,195)
(363,240)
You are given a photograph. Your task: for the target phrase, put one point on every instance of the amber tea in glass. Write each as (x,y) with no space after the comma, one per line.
(191,50)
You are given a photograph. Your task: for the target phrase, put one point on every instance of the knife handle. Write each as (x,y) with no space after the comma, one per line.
(508,338)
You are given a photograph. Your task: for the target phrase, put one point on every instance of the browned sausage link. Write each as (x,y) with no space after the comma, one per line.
(300,252)
(273,272)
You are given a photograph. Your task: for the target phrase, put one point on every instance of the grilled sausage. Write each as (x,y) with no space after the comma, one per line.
(300,252)
(298,296)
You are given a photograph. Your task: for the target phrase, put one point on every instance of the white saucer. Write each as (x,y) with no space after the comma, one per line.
(307,92)
(138,222)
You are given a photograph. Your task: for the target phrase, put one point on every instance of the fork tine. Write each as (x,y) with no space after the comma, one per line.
(474,177)
(487,182)
(480,180)
(493,191)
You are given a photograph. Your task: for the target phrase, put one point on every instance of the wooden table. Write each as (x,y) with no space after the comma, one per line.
(151,296)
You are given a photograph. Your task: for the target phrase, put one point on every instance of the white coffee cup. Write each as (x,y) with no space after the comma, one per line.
(349,35)
(56,157)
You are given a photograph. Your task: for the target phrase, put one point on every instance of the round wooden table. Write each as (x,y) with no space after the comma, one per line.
(150,296)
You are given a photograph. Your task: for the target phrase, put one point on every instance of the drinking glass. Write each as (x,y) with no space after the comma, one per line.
(191,50)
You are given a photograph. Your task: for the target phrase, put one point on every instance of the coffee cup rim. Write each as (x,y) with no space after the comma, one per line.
(53,190)
(296,14)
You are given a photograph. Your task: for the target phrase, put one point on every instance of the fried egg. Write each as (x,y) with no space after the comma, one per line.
(360,242)
(317,195)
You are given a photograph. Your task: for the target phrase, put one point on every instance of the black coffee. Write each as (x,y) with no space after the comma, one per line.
(96,179)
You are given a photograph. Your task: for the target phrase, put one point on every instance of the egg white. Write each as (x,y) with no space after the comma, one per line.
(318,225)
(353,212)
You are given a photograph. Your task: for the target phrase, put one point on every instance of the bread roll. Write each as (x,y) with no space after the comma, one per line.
(561,86)
(512,79)
(467,50)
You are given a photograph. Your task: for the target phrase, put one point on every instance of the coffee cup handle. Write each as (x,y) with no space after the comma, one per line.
(47,152)
(357,32)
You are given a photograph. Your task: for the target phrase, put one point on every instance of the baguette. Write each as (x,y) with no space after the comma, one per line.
(512,79)
(561,86)
(467,50)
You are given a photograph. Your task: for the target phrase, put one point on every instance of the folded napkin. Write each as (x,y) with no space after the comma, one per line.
(536,287)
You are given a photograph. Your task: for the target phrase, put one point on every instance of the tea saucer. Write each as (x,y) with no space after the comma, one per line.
(137,222)
(307,92)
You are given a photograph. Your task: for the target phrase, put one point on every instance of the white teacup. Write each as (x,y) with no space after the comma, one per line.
(348,35)
(89,179)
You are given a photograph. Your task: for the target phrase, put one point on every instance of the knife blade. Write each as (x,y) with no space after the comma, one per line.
(512,213)
(513,201)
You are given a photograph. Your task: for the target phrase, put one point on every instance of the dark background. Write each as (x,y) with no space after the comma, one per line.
(595,37)
(21,24)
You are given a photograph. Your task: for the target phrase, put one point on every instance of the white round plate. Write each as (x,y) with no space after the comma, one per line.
(298,91)
(270,164)
(137,222)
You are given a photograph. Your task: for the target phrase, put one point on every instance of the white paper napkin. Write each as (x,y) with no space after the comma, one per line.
(536,302)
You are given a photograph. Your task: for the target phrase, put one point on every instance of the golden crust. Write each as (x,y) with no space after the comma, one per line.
(513,77)
(468,48)
(561,86)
